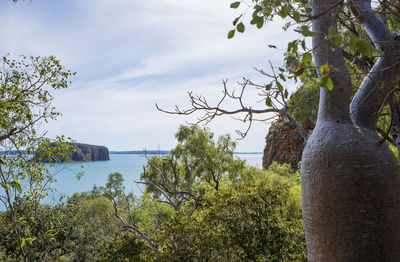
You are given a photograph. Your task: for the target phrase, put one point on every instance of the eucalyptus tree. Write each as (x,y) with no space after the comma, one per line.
(195,165)
(350,178)
(26,104)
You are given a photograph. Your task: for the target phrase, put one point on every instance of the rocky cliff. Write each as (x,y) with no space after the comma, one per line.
(87,152)
(284,144)
(83,152)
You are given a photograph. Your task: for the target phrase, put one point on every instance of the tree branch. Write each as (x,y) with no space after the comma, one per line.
(134,230)
(334,104)
(209,112)
(381,79)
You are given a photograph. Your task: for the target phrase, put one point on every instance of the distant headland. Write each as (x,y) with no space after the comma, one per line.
(83,153)
(86,152)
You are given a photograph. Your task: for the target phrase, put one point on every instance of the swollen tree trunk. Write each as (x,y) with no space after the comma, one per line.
(350,181)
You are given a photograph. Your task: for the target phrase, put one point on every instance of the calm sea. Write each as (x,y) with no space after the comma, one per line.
(96,173)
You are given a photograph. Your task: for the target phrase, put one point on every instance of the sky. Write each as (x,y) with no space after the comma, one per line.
(131,54)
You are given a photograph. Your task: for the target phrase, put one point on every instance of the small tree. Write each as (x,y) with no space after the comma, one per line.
(176,183)
(24,105)
(196,164)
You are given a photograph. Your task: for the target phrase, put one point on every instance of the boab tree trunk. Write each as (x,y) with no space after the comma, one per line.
(351,181)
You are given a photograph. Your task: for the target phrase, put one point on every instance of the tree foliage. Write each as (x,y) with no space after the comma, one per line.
(25,104)
(195,165)
(252,215)
(256,219)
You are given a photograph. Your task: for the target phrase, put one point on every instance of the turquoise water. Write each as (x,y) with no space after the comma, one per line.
(96,173)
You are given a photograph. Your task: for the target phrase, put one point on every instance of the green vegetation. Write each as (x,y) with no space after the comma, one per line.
(197,207)
(25,104)
(200,203)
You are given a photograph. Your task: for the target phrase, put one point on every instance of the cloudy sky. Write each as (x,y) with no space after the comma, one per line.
(131,54)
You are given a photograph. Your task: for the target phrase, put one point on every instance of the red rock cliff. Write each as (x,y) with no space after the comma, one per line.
(284,144)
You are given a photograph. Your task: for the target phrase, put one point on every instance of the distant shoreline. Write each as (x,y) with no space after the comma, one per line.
(166,152)
(134,152)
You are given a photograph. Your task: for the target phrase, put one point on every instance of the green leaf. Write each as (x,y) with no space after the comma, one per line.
(305,31)
(324,69)
(268,87)
(303,45)
(322,81)
(296,16)
(286,93)
(258,8)
(284,11)
(326,81)
(338,40)
(297,97)
(231,34)
(307,58)
(332,32)
(236,20)
(260,23)
(30,239)
(255,14)
(17,185)
(292,47)
(23,242)
(4,185)
(235,4)
(279,85)
(240,27)
(268,101)
(353,40)
(329,83)
(303,74)
(256,19)
(364,47)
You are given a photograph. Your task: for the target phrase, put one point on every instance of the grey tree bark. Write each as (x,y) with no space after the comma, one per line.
(351,181)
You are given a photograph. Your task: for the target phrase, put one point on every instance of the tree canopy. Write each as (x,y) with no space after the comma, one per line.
(25,104)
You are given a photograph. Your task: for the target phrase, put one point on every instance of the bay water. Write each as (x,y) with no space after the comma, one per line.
(96,173)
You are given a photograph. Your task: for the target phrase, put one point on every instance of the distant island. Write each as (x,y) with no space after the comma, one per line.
(86,152)
(83,153)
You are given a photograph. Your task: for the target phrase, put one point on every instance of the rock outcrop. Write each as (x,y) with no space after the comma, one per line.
(284,144)
(83,153)
(87,152)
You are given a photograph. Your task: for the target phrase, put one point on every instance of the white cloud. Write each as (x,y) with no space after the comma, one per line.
(130,54)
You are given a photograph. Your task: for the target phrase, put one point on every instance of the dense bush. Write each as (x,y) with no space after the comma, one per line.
(258,219)
(227,212)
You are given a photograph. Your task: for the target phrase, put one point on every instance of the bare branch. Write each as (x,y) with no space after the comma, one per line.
(209,112)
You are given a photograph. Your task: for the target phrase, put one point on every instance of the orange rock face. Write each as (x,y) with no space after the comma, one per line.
(284,144)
